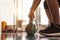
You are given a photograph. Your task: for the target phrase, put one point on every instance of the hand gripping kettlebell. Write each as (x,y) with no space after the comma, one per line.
(30,28)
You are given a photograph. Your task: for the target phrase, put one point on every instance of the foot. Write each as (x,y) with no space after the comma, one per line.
(53,30)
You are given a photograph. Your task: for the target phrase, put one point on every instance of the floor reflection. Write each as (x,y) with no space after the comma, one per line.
(3,37)
(24,36)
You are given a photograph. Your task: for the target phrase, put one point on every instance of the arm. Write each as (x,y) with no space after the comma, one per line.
(33,8)
(35,5)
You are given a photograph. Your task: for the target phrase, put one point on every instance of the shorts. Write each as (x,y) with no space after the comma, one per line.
(46,6)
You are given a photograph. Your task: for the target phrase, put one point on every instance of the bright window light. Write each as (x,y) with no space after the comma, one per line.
(24,8)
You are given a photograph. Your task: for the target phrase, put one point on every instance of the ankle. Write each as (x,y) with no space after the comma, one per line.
(57,25)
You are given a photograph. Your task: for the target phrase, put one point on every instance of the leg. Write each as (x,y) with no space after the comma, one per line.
(49,15)
(53,8)
(53,29)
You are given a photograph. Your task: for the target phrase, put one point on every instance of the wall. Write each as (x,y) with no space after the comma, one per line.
(6,11)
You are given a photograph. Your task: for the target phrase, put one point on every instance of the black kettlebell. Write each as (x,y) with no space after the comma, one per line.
(30,28)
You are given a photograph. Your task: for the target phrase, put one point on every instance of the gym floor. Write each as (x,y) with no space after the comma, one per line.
(24,36)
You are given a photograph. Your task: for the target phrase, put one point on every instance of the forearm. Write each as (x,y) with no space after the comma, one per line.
(33,8)
(35,5)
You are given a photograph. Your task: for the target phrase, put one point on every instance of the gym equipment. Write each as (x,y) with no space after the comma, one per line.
(30,28)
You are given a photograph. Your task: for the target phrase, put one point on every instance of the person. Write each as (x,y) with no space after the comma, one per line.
(52,11)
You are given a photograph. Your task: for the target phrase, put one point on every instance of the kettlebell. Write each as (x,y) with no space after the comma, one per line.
(30,28)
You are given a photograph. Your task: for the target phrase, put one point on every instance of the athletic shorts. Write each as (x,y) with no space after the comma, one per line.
(46,6)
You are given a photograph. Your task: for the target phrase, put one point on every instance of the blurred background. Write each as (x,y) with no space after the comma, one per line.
(14,15)
(12,11)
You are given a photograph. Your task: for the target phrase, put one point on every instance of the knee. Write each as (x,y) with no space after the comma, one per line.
(45,5)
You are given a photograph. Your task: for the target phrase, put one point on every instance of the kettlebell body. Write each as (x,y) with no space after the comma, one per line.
(30,28)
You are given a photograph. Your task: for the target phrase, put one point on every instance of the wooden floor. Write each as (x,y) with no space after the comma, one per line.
(24,36)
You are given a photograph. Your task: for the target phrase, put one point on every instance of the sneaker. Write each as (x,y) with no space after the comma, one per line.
(53,30)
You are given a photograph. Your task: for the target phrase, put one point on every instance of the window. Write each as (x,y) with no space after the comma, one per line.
(24,8)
